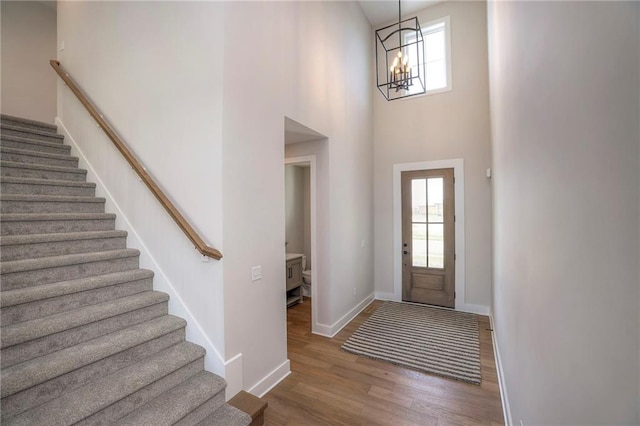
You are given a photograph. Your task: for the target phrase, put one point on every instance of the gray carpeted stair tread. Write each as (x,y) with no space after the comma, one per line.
(45,223)
(19,142)
(44,270)
(38,157)
(26,122)
(47,291)
(30,132)
(83,402)
(46,203)
(64,236)
(39,370)
(46,182)
(29,330)
(39,301)
(23,265)
(227,415)
(17,247)
(74,173)
(176,403)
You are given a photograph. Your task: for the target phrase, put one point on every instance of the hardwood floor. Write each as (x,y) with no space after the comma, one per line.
(328,386)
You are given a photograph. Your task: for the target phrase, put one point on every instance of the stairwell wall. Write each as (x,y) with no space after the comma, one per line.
(153,70)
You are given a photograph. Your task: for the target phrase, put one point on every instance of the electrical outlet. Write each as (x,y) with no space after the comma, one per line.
(362,243)
(355,291)
(256,273)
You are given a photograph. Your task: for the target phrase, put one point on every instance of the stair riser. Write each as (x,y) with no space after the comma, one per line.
(42,174)
(19,402)
(16,206)
(50,137)
(41,308)
(11,281)
(34,348)
(51,149)
(60,248)
(134,401)
(55,226)
(34,159)
(26,124)
(203,411)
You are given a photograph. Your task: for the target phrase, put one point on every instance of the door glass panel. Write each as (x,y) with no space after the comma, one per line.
(436,245)
(435,191)
(419,200)
(419,245)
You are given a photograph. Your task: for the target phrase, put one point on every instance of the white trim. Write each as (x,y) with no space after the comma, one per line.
(233,374)
(506,408)
(311,159)
(384,296)
(447,40)
(458,172)
(276,375)
(213,360)
(331,330)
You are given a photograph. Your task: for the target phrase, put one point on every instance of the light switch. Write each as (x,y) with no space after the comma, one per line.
(256,273)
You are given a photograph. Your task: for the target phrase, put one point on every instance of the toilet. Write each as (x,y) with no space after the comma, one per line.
(306,278)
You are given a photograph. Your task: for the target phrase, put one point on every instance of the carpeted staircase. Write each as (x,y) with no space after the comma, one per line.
(85,339)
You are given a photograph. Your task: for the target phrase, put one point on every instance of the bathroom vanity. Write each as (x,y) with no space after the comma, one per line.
(294,278)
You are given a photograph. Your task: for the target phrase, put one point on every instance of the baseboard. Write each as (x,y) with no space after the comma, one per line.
(214,362)
(331,330)
(473,309)
(271,380)
(233,374)
(506,409)
(384,296)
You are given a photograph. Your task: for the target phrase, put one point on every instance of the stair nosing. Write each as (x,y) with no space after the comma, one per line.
(76,400)
(47,262)
(45,167)
(19,333)
(21,296)
(44,217)
(43,198)
(46,182)
(21,375)
(12,240)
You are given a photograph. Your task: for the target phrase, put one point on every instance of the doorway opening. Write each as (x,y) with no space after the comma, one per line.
(305,153)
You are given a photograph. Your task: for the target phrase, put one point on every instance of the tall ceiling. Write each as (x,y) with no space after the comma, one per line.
(381,11)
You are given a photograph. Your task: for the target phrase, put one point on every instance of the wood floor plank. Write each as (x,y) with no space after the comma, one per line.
(329,386)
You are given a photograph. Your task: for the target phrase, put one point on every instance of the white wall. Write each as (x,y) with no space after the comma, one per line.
(28,43)
(448,125)
(155,71)
(565,107)
(292,63)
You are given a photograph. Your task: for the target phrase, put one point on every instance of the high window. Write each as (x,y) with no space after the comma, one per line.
(437,50)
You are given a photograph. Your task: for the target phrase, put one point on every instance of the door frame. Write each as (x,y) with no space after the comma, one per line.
(311,160)
(457,164)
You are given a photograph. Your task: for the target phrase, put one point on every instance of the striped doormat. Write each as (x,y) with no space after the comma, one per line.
(423,338)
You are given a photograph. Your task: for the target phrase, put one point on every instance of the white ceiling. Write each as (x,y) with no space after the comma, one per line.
(381,11)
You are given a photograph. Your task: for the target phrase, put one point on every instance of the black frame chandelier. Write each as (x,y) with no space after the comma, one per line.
(400,68)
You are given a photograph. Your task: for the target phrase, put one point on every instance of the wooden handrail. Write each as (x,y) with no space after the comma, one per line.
(173,211)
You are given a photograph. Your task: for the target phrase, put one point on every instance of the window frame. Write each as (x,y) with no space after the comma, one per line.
(427,29)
